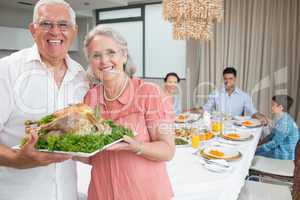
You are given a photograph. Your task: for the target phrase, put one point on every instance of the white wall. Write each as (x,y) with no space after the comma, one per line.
(19,18)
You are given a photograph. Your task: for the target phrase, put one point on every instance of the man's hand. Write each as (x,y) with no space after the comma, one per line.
(28,157)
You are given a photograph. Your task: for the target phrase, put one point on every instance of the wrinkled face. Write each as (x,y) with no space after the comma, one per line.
(276,108)
(171,84)
(229,80)
(53,33)
(106,57)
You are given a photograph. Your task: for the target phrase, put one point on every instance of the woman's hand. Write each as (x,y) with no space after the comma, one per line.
(129,144)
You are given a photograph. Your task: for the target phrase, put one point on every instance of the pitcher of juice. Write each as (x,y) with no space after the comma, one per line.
(195,140)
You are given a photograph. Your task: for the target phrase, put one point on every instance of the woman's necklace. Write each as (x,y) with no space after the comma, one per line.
(119,94)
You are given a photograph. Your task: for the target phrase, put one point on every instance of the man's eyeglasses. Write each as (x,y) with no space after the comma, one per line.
(98,56)
(62,25)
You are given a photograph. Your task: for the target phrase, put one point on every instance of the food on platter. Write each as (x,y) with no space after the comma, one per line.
(226,153)
(184,132)
(241,136)
(247,123)
(181,141)
(217,153)
(181,118)
(77,128)
(233,135)
(250,123)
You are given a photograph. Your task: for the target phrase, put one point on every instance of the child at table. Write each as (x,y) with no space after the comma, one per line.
(281,143)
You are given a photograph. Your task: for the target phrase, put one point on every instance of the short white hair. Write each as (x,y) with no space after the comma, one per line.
(53,2)
(106,31)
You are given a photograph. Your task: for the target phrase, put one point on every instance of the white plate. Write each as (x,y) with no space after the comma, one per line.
(189,118)
(255,123)
(243,136)
(229,153)
(80,154)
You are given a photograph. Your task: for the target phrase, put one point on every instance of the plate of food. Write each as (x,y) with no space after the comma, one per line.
(76,130)
(182,118)
(187,118)
(241,136)
(184,132)
(250,123)
(217,152)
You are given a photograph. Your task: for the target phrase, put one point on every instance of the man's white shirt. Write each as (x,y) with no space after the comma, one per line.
(28,91)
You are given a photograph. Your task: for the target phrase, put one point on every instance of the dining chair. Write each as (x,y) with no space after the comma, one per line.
(254,190)
(279,170)
(296,182)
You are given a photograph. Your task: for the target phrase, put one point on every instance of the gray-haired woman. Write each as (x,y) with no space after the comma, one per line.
(134,169)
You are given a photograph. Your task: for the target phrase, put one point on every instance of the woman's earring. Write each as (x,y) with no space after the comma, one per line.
(124,67)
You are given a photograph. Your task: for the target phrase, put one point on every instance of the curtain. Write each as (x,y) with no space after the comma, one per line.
(261,39)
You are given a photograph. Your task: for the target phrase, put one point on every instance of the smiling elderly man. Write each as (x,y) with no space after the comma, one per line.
(35,82)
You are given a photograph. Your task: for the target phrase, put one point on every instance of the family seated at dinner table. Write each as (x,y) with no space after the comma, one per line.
(232,101)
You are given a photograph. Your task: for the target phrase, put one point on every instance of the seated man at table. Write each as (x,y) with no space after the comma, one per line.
(281,143)
(230,99)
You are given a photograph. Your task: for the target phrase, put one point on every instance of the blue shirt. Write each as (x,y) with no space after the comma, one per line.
(238,103)
(176,104)
(282,140)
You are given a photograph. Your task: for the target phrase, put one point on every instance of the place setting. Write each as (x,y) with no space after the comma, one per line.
(217,158)
(218,154)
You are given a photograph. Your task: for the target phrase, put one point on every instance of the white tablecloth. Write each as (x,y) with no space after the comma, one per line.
(191,181)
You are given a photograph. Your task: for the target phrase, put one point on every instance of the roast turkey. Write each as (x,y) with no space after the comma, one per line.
(75,119)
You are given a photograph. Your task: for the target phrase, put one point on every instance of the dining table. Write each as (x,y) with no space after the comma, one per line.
(191,179)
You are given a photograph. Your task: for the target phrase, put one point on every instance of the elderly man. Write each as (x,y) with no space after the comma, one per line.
(35,82)
(230,99)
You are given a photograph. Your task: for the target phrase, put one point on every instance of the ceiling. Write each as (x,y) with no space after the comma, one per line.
(77,5)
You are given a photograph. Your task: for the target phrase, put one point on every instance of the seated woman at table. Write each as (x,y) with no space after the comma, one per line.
(134,169)
(170,88)
(281,143)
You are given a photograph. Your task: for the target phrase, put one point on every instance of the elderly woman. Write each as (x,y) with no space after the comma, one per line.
(171,80)
(134,169)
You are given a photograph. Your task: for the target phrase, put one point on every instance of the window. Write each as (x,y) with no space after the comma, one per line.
(149,38)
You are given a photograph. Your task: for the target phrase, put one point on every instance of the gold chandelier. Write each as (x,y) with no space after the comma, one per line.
(193,19)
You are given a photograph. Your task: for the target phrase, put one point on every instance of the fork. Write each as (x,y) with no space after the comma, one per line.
(215,163)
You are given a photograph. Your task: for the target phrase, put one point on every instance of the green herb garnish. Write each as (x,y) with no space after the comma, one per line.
(45,120)
(83,143)
(179,141)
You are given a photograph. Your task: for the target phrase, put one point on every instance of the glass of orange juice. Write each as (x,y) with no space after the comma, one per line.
(195,140)
(216,126)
